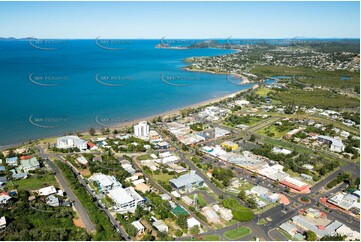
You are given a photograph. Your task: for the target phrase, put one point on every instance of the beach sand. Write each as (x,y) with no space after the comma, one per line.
(173,112)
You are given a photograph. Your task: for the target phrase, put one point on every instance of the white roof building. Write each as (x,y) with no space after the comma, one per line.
(82,160)
(71,141)
(187,200)
(2,222)
(226,214)
(193,222)
(141,130)
(211,215)
(4,199)
(160,225)
(335,144)
(126,199)
(105,182)
(344,200)
(350,234)
(46,191)
(139,226)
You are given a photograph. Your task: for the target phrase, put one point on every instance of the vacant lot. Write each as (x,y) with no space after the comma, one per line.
(36,182)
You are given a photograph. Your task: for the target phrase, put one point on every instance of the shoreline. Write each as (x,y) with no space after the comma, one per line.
(123,125)
(244,81)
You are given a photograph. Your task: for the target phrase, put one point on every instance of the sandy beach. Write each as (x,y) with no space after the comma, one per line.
(173,111)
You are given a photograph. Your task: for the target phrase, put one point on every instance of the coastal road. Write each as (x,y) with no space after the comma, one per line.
(77,204)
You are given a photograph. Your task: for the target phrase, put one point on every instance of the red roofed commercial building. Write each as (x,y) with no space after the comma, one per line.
(295,184)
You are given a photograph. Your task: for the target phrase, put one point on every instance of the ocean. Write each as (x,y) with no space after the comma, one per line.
(52,87)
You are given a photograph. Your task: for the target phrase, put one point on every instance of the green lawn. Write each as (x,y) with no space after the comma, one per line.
(262,91)
(208,238)
(201,201)
(163,177)
(273,129)
(262,221)
(144,157)
(36,182)
(237,233)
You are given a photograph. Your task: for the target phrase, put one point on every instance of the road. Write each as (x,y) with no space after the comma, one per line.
(76,202)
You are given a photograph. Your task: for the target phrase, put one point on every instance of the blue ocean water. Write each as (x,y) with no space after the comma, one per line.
(51,88)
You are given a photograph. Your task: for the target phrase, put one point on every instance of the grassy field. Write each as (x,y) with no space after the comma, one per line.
(288,145)
(237,233)
(163,177)
(316,98)
(36,182)
(144,157)
(262,91)
(239,212)
(206,238)
(273,129)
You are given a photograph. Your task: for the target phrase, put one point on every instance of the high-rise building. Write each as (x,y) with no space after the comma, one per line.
(141,130)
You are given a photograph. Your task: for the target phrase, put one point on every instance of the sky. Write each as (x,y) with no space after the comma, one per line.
(153,20)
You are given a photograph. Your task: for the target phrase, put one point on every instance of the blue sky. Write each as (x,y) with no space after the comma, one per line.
(154,20)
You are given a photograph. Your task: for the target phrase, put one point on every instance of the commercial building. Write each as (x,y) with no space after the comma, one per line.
(289,228)
(334,144)
(71,141)
(187,181)
(344,200)
(229,145)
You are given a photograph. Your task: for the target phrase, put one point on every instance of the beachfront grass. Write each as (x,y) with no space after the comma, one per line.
(237,233)
(36,182)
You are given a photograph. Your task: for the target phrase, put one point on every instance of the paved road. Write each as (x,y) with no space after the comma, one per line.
(115,223)
(77,204)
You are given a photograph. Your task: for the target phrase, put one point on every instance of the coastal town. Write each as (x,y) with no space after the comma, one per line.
(274,162)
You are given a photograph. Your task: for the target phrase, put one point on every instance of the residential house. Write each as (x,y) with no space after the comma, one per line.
(29,164)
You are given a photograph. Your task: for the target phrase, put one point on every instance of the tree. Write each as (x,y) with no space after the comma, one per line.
(252,138)
(182,221)
(184,147)
(92,131)
(131,230)
(311,236)
(194,230)
(242,195)
(178,233)
(147,237)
